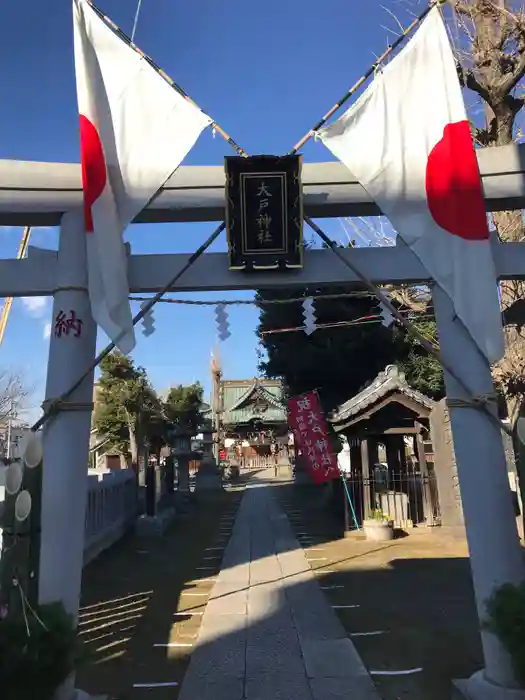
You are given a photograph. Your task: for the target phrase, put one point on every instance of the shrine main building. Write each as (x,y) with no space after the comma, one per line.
(254,413)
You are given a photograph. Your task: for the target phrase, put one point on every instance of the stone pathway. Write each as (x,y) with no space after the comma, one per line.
(268,632)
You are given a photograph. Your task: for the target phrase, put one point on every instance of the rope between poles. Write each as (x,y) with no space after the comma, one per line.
(484,403)
(55,404)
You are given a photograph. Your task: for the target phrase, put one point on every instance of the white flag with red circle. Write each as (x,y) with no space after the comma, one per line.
(135,131)
(407,140)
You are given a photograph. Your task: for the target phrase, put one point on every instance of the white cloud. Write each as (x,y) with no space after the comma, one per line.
(47,331)
(36,306)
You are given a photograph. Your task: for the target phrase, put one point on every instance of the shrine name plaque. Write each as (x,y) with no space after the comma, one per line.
(264,212)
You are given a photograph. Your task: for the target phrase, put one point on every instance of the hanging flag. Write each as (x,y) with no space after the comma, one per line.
(306,419)
(407,140)
(135,130)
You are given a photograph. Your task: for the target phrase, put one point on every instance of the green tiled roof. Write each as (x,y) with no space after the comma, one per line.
(245,400)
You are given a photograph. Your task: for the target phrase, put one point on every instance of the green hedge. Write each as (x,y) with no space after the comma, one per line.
(506,619)
(38,651)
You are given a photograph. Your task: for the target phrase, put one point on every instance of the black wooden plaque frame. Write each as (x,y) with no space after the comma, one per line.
(264,212)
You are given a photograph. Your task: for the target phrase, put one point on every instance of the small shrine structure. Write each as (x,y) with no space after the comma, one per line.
(391,455)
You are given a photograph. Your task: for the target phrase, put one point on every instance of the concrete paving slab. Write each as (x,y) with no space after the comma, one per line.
(331,658)
(217,627)
(268,632)
(214,660)
(344,688)
(212,688)
(230,604)
(225,588)
(275,658)
(278,686)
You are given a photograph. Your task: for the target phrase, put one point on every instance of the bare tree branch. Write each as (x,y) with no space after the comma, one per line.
(469,80)
(506,85)
(393,17)
(13,394)
(462,8)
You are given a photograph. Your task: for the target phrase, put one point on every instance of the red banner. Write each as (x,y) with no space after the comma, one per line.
(309,426)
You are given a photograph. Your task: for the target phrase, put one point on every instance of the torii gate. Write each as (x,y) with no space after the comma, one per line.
(43,194)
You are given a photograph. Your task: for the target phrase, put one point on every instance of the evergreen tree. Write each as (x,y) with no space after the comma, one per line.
(337,360)
(422,371)
(340,359)
(182,406)
(128,410)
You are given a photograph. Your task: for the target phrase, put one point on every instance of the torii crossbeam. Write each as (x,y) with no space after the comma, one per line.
(37,194)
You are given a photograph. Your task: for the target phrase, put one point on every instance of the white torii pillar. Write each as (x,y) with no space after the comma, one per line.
(66,436)
(496,556)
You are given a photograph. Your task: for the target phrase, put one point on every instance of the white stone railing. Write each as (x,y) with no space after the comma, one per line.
(111,509)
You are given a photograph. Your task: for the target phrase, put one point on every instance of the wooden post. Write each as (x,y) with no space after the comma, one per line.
(426,491)
(355,469)
(392,458)
(365,471)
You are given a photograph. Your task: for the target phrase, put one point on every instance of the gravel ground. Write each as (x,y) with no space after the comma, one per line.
(131,594)
(407,604)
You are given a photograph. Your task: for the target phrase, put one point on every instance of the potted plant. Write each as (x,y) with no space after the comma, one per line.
(380,527)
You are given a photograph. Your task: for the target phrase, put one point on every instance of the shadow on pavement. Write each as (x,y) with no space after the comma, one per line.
(412,611)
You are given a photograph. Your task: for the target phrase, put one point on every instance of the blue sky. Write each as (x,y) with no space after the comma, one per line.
(265,71)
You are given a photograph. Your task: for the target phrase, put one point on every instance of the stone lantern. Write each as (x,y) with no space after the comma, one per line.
(183,454)
(207,440)
(208,477)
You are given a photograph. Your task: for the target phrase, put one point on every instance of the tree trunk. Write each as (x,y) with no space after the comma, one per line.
(133,441)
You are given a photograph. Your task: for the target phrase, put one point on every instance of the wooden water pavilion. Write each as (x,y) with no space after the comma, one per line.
(391,454)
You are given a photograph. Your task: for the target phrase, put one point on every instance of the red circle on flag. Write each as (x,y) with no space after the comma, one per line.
(453,185)
(94,172)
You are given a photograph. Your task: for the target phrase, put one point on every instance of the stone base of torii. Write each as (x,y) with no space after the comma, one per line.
(495,553)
